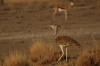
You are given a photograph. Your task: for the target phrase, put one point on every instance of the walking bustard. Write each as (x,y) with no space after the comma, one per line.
(63,41)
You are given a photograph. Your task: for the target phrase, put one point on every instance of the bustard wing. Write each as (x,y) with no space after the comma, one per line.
(65,40)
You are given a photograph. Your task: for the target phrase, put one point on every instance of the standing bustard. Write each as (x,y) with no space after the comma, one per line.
(62,8)
(63,41)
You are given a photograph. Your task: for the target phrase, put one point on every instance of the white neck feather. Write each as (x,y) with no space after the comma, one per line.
(55,28)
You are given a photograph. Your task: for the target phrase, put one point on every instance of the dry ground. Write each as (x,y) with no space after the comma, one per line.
(21,26)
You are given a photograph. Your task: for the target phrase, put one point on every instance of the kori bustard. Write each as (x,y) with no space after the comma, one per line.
(63,41)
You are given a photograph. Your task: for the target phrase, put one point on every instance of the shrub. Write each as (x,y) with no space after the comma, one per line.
(43,52)
(16,59)
(90,57)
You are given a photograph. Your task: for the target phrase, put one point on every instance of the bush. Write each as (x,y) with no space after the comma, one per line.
(43,52)
(90,57)
(16,59)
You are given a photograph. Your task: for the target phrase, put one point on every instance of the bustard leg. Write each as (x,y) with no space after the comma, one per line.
(66,54)
(65,15)
(61,47)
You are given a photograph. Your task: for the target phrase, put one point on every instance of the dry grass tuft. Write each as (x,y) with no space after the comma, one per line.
(43,53)
(90,57)
(70,63)
(16,59)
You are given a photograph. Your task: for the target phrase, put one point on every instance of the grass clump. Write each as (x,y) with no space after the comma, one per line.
(90,57)
(43,53)
(16,59)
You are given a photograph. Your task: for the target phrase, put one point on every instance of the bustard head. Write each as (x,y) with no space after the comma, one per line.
(55,28)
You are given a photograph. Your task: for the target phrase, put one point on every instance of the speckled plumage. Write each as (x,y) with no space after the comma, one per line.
(65,40)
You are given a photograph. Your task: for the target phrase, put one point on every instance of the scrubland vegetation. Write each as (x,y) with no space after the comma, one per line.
(16,58)
(43,53)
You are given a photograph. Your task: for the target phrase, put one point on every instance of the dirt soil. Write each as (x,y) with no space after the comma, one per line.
(19,27)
